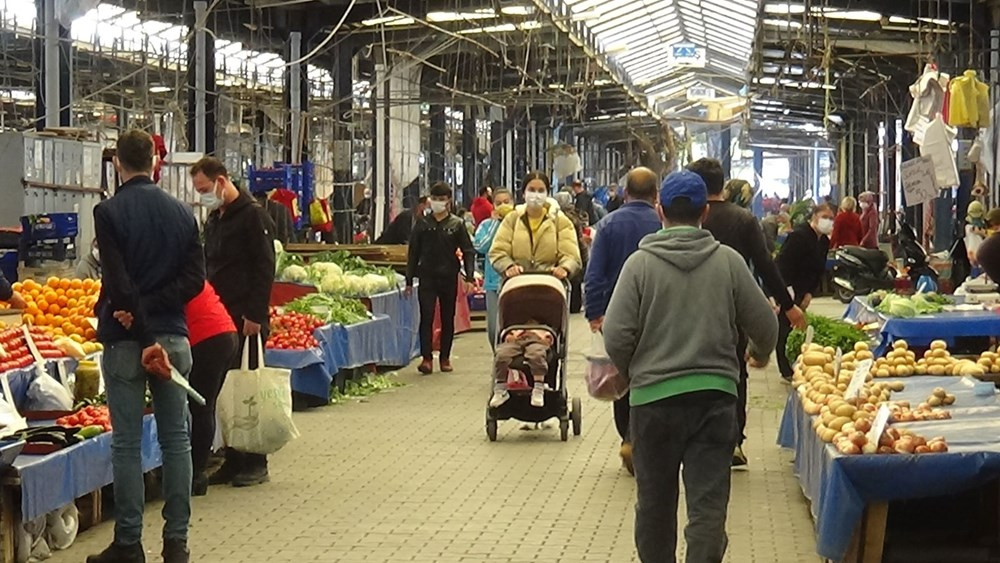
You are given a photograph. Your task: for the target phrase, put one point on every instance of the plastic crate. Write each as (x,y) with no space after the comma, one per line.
(477,301)
(50,226)
(8,264)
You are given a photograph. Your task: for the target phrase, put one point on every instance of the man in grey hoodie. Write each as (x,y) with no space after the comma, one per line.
(672,328)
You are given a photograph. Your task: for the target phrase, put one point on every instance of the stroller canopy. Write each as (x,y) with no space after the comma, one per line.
(533,299)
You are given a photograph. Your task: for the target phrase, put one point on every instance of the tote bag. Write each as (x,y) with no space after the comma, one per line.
(255,406)
(604,383)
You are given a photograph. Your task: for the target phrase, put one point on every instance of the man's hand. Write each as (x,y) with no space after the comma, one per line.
(514,270)
(156,361)
(468,286)
(250,328)
(806,300)
(408,291)
(597,324)
(125,318)
(17,302)
(796,317)
(560,272)
(757,364)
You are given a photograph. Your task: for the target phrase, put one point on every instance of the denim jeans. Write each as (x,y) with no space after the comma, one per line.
(492,299)
(125,381)
(696,431)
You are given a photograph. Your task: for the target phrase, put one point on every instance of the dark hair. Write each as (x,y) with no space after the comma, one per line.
(440,189)
(211,167)
(134,150)
(711,172)
(821,208)
(642,186)
(536,175)
(422,200)
(461,212)
(483,190)
(682,212)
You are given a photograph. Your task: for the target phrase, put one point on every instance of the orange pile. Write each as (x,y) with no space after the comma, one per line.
(61,306)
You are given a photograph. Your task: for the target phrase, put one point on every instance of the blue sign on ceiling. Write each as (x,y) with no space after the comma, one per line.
(682,51)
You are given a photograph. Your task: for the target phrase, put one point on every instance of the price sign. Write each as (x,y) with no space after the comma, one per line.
(837,358)
(878,426)
(858,379)
(918,179)
(810,333)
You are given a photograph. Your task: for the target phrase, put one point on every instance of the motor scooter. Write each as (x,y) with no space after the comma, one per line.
(859,271)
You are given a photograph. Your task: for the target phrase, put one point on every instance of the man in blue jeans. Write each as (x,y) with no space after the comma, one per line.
(153,265)
(673,328)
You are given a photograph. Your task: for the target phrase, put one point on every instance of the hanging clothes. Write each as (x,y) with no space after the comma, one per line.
(970,102)
(938,141)
(928,92)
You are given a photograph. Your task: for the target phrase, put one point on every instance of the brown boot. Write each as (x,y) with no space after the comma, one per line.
(626,454)
(446,365)
(426,367)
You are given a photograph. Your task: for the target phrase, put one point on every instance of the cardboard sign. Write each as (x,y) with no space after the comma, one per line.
(837,359)
(918,179)
(858,379)
(878,426)
(810,333)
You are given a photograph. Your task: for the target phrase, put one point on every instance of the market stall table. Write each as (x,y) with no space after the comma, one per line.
(921,330)
(842,488)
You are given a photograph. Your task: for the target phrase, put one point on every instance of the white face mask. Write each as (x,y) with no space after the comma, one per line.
(438,206)
(96,254)
(534,199)
(211,200)
(864,205)
(825,225)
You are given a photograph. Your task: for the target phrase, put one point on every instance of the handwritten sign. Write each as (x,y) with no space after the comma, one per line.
(810,334)
(878,426)
(837,359)
(919,181)
(858,379)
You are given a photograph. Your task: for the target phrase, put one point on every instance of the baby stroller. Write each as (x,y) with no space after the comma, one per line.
(541,300)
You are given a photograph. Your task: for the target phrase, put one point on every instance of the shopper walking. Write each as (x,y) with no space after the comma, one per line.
(618,237)
(802,262)
(149,246)
(847,230)
(672,327)
(482,206)
(584,202)
(483,240)
(433,258)
(737,228)
(869,220)
(239,258)
(615,200)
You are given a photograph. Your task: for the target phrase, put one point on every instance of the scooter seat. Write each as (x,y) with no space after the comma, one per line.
(874,259)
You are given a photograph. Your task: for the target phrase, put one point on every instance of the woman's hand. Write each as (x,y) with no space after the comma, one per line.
(512,271)
(560,272)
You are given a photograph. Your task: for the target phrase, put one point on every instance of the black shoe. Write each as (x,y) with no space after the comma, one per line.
(175,551)
(229,470)
(254,472)
(116,553)
(199,484)
(739,458)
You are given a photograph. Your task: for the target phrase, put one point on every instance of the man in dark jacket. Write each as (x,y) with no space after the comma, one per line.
(433,258)
(281,216)
(398,232)
(615,200)
(802,262)
(153,265)
(239,258)
(618,237)
(584,202)
(738,229)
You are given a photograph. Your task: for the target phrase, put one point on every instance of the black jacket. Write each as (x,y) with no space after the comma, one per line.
(584,203)
(398,232)
(614,203)
(737,228)
(281,216)
(5,290)
(239,258)
(432,249)
(802,260)
(152,262)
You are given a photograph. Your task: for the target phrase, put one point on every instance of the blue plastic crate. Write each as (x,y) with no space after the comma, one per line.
(477,301)
(8,264)
(50,226)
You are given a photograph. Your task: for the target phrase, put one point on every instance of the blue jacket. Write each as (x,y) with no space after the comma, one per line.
(618,236)
(485,234)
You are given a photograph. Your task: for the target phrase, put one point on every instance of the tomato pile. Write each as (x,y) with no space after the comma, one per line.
(293,331)
(14,352)
(87,416)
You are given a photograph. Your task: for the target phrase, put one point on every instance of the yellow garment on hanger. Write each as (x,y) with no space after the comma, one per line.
(970,102)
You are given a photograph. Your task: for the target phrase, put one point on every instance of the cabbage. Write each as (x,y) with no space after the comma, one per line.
(376,283)
(332,283)
(295,273)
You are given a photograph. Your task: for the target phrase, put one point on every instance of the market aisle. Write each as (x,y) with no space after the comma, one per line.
(408,475)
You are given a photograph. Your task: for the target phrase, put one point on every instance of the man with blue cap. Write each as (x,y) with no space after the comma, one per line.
(672,328)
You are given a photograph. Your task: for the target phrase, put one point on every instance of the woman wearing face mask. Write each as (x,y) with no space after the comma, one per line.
(802,263)
(483,241)
(536,236)
(869,220)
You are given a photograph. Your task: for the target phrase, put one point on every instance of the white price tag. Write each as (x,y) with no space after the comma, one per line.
(810,333)
(837,359)
(858,379)
(878,426)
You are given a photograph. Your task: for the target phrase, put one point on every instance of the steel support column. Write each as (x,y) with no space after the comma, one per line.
(53,59)
(201,83)
(343,146)
(296,97)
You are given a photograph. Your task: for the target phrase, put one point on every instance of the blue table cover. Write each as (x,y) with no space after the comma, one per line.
(20,379)
(405,314)
(839,486)
(921,330)
(52,481)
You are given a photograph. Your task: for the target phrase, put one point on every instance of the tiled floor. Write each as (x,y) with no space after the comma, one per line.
(409,475)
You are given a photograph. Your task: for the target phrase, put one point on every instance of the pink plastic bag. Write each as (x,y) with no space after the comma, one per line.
(604,383)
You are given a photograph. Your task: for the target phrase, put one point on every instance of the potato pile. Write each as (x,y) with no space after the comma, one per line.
(899,362)
(990,361)
(900,411)
(892,441)
(938,361)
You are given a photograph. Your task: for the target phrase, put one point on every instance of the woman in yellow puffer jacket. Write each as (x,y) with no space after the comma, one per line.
(536,237)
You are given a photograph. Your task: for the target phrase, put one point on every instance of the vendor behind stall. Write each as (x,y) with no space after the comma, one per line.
(398,232)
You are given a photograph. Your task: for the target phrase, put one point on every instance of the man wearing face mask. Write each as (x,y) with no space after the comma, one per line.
(89,267)
(433,258)
(239,259)
(802,262)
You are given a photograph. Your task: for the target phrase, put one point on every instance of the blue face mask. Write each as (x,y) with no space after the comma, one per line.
(211,200)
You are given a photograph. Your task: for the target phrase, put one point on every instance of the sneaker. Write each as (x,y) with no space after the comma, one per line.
(199,484)
(626,454)
(175,551)
(446,366)
(116,553)
(500,396)
(426,367)
(739,458)
(254,472)
(538,395)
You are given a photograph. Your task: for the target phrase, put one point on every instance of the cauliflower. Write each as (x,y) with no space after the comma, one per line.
(295,274)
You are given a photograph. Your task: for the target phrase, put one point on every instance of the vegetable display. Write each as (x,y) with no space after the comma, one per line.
(337,273)
(14,351)
(293,331)
(330,308)
(87,417)
(826,332)
(61,307)
(903,306)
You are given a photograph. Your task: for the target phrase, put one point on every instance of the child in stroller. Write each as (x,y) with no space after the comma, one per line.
(532,345)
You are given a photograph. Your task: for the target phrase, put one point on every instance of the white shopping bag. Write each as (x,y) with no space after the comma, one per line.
(604,383)
(255,406)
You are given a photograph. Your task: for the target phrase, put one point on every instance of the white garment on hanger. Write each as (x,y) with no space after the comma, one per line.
(928,94)
(938,139)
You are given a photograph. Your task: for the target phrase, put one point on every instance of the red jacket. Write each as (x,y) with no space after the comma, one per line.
(481,210)
(207,317)
(869,227)
(846,230)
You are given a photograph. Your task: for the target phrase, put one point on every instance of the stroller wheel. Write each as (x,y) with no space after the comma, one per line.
(491,429)
(563,429)
(577,416)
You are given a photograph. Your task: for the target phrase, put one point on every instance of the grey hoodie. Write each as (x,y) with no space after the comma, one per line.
(676,308)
